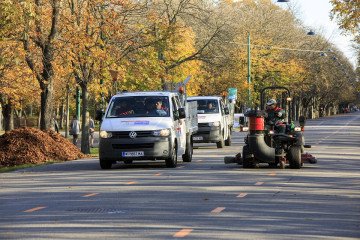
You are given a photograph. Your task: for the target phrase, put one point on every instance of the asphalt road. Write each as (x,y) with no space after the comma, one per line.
(204,199)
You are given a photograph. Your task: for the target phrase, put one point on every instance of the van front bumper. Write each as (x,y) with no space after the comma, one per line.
(207,135)
(148,148)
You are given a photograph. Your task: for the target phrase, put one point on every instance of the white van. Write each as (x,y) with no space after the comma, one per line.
(147,126)
(214,120)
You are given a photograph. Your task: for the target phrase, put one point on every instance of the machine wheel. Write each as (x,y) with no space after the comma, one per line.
(172,161)
(105,164)
(228,140)
(221,143)
(187,157)
(294,156)
(248,162)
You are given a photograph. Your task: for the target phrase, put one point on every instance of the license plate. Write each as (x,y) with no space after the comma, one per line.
(133,154)
(198,138)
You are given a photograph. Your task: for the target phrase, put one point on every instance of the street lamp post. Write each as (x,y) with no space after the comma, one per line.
(249,72)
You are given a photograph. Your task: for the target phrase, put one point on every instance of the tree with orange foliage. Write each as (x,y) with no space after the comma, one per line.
(95,38)
(16,81)
(347,14)
(40,37)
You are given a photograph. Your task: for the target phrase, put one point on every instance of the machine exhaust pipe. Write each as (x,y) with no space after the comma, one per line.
(256,138)
(260,149)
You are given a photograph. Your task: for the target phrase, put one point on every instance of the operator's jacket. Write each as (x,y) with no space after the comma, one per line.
(280,127)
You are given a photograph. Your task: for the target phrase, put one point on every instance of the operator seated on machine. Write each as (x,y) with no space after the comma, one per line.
(274,116)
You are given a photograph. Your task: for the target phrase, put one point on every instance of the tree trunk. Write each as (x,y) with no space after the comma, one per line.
(67,112)
(85,145)
(47,99)
(8,114)
(62,109)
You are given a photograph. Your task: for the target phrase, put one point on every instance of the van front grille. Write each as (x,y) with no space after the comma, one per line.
(125,134)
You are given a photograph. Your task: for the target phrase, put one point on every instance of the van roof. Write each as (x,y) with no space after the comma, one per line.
(203,97)
(145,93)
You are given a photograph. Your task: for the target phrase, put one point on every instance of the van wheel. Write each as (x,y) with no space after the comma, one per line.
(228,140)
(105,164)
(172,161)
(187,157)
(221,143)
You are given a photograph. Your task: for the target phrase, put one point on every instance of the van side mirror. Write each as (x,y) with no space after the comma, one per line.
(182,113)
(302,121)
(226,110)
(99,115)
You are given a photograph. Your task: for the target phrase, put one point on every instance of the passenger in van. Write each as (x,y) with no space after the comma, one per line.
(124,108)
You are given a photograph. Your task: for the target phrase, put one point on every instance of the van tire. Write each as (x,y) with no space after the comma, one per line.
(187,157)
(228,140)
(171,162)
(105,164)
(220,144)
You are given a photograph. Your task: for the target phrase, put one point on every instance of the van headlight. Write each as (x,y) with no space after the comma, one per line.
(162,133)
(214,124)
(105,134)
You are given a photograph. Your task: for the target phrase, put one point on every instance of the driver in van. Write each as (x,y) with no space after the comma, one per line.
(159,105)
(211,107)
(275,115)
(155,106)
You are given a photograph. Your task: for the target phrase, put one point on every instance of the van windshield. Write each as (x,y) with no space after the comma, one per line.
(206,106)
(139,106)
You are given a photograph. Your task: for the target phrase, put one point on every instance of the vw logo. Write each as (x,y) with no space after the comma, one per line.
(132,134)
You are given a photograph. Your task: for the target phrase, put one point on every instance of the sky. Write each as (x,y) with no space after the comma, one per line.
(315,14)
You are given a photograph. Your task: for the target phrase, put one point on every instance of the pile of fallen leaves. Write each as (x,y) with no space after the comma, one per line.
(31,146)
